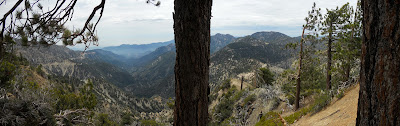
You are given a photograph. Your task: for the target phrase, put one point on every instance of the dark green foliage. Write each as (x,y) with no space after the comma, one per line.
(212,97)
(171,103)
(226,84)
(320,102)
(291,118)
(266,76)
(65,99)
(40,71)
(340,94)
(238,95)
(126,118)
(312,79)
(270,119)
(249,99)
(225,108)
(149,123)
(9,66)
(7,72)
(104,120)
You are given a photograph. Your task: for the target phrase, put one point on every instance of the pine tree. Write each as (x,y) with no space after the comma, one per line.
(192,40)
(379,97)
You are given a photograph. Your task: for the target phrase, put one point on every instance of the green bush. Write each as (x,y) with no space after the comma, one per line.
(249,99)
(291,99)
(40,71)
(7,72)
(238,95)
(270,119)
(72,100)
(291,118)
(225,108)
(230,92)
(267,77)
(149,123)
(226,84)
(340,94)
(212,97)
(126,119)
(171,103)
(320,102)
(104,120)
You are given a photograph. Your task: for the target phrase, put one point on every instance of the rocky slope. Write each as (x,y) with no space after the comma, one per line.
(233,57)
(61,63)
(249,53)
(153,73)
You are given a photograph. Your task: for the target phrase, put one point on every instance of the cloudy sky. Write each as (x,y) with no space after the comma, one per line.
(135,22)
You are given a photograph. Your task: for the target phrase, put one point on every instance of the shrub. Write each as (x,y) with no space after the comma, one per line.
(340,94)
(291,99)
(126,119)
(171,103)
(270,119)
(238,95)
(320,102)
(226,84)
(7,72)
(149,123)
(40,71)
(212,97)
(267,77)
(104,120)
(225,109)
(291,118)
(72,100)
(249,99)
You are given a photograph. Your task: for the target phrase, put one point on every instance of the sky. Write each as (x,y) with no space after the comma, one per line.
(135,22)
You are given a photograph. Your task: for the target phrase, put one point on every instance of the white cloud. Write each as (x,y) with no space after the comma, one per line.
(135,22)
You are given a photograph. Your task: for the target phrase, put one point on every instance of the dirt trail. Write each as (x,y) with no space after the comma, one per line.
(340,113)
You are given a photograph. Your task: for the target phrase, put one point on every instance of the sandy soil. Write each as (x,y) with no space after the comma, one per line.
(343,112)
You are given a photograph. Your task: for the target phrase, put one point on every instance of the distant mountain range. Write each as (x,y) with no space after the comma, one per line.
(231,57)
(148,70)
(136,50)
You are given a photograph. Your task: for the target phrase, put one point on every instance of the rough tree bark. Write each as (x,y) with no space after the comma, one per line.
(192,40)
(298,80)
(379,101)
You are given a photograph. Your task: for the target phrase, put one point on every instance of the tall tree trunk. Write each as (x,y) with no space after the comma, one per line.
(298,80)
(241,84)
(328,66)
(1,47)
(379,100)
(192,40)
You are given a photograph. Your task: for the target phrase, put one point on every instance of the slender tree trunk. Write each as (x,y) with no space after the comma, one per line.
(379,99)
(192,40)
(328,66)
(241,84)
(298,80)
(1,47)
